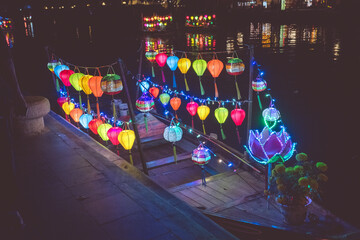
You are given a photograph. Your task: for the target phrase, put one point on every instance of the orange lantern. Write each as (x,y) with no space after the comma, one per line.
(175,103)
(154,91)
(94,124)
(215,67)
(75,114)
(95,86)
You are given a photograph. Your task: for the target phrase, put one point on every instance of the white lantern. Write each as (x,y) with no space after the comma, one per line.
(271,114)
(173,134)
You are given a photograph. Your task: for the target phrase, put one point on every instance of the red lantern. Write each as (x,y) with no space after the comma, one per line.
(215,67)
(113,134)
(64,76)
(62,100)
(94,124)
(161,61)
(238,116)
(95,86)
(192,107)
(175,103)
(154,91)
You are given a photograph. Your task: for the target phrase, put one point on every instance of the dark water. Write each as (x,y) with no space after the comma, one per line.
(311,69)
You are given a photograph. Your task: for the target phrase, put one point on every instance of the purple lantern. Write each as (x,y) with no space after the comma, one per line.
(269,146)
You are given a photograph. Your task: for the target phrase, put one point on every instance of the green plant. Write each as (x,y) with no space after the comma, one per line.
(296,185)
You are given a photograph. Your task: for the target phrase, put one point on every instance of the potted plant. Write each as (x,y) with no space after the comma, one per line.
(295,187)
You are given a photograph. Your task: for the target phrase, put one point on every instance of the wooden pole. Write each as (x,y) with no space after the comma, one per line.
(251,77)
(132,116)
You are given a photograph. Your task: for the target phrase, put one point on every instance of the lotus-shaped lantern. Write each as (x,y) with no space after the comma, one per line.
(270,146)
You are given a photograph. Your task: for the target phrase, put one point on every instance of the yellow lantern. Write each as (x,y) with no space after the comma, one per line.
(67,107)
(74,80)
(102,131)
(84,84)
(126,139)
(203,111)
(184,65)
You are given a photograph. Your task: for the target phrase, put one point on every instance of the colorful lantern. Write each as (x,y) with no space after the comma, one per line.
(184,65)
(259,85)
(215,67)
(62,100)
(103,130)
(74,80)
(221,115)
(95,86)
(172,62)
(60,68)
(111,84)
(126,139)
(75,114)
(270,114)
(144,104)
(192,107)
(201,156)
(67,107)
(85,120)
(161,61)
(238,116)
(150,55)
(203,111)
(164,99)
(113,135)
(84,84)
(53,64)
(94,124)
(173,134)
(154,91)
(175,103)
(64,77)
(235,67)
(199,66)
(144,86)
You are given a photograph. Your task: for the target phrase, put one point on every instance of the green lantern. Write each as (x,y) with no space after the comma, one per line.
(164,99)
(199,66)
(150,55)
(221,115)
(74,80)
(102,131)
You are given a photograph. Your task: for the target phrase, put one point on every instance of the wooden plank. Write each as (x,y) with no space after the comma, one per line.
(168,160)
(255,183)
(215,193)
(207,196)
(197,198)
(187,200)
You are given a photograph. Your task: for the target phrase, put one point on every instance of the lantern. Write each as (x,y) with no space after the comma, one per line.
(201,156)
(67,107)
(154,91)
(94,124)
(203,111)
(60,68)
(74,80)
(75,114)
(192,107)
(51,66)
(199,66)
(235,67)
(221,115)
(64,77)
(111,84)
(238,116)
(95,86)
(164,98)
(184,65)
(126,139)
(172,62)
(175,103)
(85,120)
(84,84)
(150,55)
(144,104)
(161,61)
(173,134)
(270,114)
(144,86)
(215,67)
(113,134)
(103,130)
(259,85)
(62,100)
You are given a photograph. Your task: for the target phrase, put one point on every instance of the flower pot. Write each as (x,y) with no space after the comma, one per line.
(294,214)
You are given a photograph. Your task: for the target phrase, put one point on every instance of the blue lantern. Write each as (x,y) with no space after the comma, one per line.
(144,86)
(172,63)
(85,119)
(58,69)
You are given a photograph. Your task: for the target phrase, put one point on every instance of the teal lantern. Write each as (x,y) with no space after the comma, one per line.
(172,63)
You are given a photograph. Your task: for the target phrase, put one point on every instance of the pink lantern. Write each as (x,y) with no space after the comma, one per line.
(113,134)
(65,75)
(192,107)
(161,61)
(238,116)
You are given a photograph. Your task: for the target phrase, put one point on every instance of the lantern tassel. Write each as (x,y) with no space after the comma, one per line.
(258,97)
(203,127)
(192,122)
(174,80)
(88,104)
(97,108)
(130,157)
(114,110)
(216,89)
(175,157)
(238,135)
(222,132)
(186,84)
(80,101)
(163,76)
(237,90)
(201,87)
(152,70)
(57,85)
(203,176)
(145,122)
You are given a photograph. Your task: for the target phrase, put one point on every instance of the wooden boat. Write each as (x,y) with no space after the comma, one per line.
(233,196)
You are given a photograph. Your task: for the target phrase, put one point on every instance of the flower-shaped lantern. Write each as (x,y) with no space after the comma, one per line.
(144,104)
(173,133)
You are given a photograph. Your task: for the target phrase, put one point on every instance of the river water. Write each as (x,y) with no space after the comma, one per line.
(311,69)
